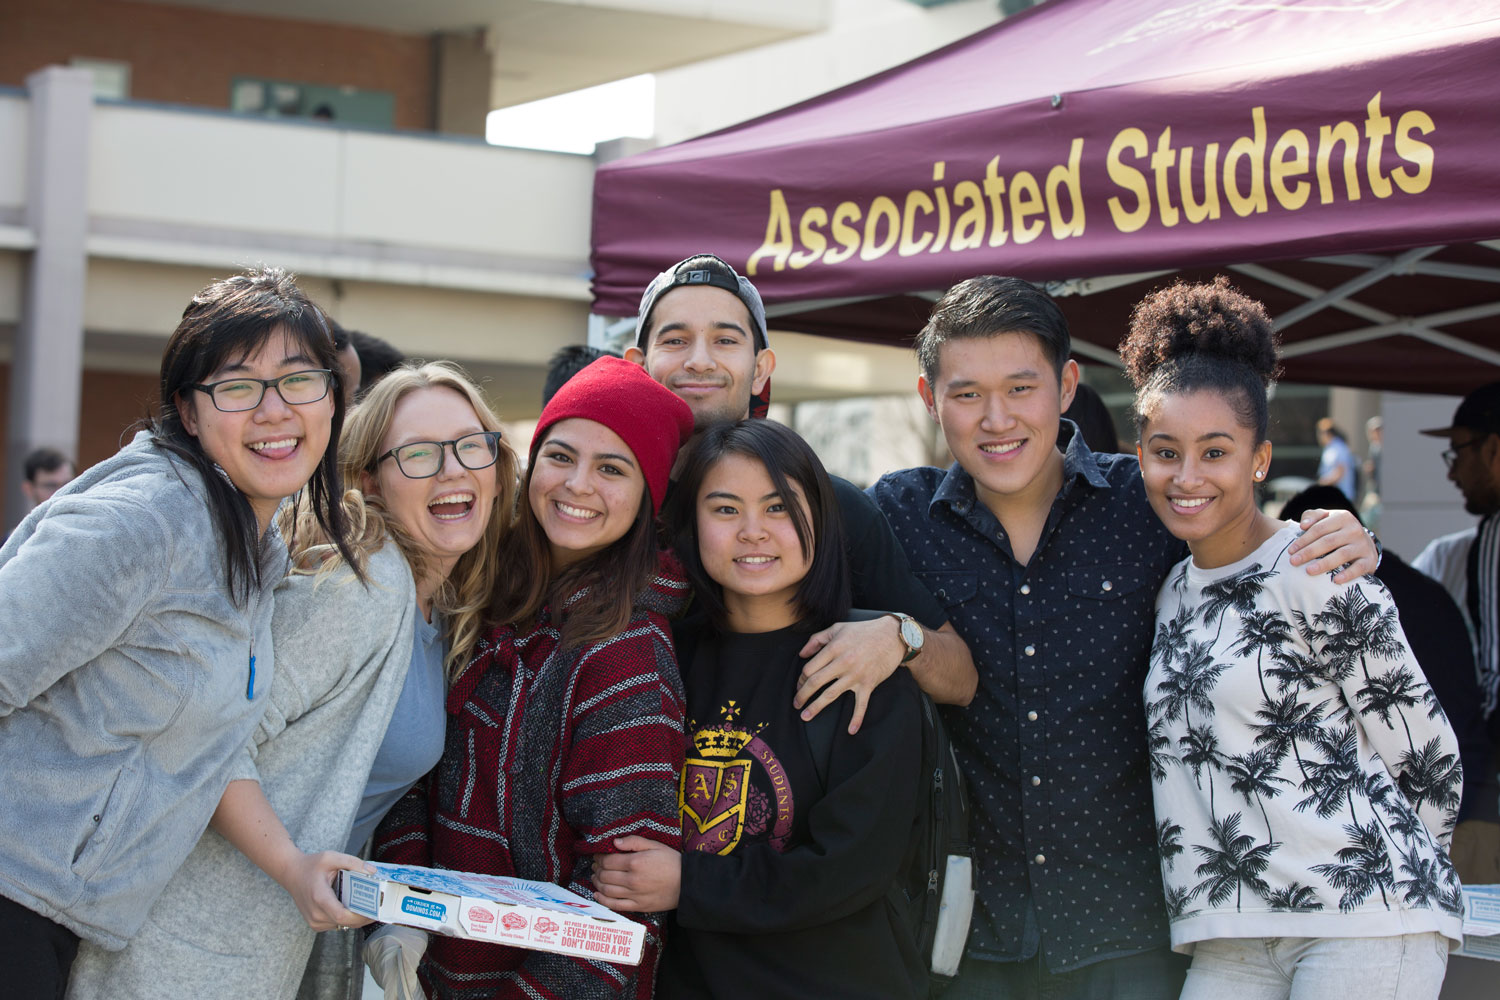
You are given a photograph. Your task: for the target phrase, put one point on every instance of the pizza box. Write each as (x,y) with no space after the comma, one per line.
(517,912)
(1481,922)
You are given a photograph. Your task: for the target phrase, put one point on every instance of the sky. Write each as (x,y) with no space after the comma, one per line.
(574,122)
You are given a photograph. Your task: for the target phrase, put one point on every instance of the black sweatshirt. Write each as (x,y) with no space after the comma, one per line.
(783,885)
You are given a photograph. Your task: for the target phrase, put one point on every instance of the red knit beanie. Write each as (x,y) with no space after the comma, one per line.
(646,414)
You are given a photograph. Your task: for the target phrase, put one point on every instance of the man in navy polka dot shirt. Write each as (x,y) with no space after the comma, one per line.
(1048,559)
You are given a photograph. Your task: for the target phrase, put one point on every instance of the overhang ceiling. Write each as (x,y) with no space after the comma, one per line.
(547,47)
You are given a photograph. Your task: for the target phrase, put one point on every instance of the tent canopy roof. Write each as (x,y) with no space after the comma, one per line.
(1305,147)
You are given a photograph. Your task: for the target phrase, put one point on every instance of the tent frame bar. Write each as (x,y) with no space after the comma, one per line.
(1383,324)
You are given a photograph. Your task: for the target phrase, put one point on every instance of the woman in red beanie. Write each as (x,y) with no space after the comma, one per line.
(565,730)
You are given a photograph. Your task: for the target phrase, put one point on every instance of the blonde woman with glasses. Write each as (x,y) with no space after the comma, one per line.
(356,712)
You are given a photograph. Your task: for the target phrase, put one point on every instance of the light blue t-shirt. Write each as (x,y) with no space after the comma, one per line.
(1334,454)
(414,739)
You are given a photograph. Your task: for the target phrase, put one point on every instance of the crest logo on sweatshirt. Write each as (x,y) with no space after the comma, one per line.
(715,796)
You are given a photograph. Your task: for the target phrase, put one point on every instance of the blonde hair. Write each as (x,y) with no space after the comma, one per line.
(464,595)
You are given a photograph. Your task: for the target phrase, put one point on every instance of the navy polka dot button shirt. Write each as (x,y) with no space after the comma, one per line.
(1054,743)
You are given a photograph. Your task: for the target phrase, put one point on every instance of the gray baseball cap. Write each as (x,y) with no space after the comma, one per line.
(702,269)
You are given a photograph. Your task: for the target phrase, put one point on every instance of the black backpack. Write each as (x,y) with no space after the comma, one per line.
(935,891)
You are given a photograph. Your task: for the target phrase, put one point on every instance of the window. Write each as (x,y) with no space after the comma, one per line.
(287,99)
(111,78)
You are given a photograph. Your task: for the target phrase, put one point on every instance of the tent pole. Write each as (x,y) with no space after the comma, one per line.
(1416,326)
(1433,268)
(1308,291)
(1392,265)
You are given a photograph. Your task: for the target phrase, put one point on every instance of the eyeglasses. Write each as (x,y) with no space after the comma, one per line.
(1451,455)
(424,459)
(234,395)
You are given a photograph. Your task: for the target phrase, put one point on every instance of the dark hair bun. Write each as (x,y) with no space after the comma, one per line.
(1210,320)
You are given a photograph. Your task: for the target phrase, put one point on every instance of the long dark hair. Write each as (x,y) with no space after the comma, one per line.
(228,321)
(823,595)
(606,583)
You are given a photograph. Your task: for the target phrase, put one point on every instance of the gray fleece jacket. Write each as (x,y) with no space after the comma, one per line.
(124,669)
(222,927)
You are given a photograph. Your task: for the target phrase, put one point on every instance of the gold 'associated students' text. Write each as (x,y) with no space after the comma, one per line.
(1157,181)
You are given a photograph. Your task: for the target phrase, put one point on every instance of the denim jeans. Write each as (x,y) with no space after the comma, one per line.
(1404,967)
(1151,975)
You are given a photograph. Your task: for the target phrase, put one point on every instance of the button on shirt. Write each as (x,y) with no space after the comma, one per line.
(1054,743)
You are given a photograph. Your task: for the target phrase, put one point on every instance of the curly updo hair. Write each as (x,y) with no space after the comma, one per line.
(1202,337)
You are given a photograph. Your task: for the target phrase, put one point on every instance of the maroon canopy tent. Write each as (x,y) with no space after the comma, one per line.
(1339,158)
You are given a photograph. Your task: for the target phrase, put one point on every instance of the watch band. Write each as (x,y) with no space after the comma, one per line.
(902,620)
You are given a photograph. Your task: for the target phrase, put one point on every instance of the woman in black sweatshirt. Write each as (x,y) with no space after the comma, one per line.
(791,845)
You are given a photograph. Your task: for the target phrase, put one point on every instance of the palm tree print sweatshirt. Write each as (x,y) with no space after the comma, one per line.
(1306,781)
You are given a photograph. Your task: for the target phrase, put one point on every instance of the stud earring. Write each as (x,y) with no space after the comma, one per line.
(1259,475)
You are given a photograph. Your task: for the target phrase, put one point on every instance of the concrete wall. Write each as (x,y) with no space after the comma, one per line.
(14,233)
(862,37)
(112,403)
(463,66)
(188,55)
(163,177)
(11,274)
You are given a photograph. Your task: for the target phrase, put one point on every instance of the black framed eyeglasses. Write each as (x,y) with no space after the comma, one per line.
(234,395)
(1451,455)
(424,459)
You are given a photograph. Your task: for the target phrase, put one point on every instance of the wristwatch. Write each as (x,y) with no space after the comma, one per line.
(911,635)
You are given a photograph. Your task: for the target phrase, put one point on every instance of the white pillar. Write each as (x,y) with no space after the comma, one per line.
(47,364)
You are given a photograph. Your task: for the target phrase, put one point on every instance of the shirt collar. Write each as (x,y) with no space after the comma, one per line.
(956,489)
(1078,460)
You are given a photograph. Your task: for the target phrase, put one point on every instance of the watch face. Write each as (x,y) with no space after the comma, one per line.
(912,633)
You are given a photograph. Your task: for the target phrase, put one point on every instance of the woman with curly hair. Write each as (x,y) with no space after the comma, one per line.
(1306,781)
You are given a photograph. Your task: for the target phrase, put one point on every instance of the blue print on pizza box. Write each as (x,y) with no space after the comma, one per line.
(425,908)
(426,878)
(364,894)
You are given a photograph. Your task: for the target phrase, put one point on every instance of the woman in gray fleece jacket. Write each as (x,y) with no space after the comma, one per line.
(355,714)
(135,613)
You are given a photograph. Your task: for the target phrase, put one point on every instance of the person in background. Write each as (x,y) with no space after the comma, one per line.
(1337,465)
(567,362)
(1047,558)
(1305,781)
(1435,629)
(46,471)
(565,729)
(376,359)
(701,332)
(349,368)
(1094,422)
(356,707)
(790,846)
(1467,564)
(136,653)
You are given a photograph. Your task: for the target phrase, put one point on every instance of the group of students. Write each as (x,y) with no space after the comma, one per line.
(260,639)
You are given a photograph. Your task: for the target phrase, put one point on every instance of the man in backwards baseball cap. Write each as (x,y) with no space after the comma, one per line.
(724,376)
(701,332)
